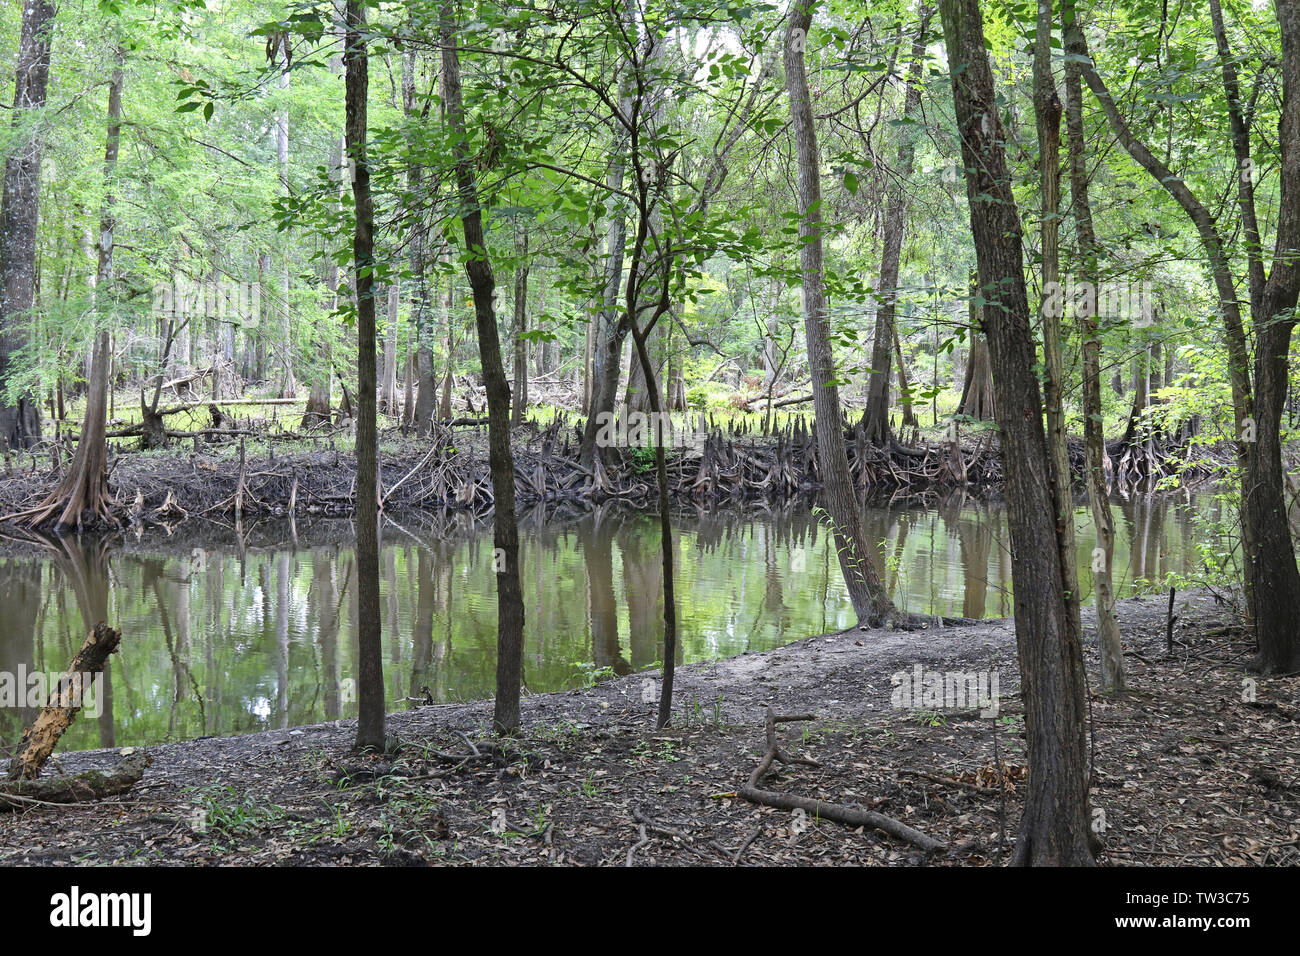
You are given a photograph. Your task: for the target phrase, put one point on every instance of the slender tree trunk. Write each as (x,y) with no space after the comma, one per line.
(370,663)
(611,324)
(1108,635)
(1234,332)
(1047,113)
(288,385)
(904,390)
(876,417)
(519,406)
(320,394)
(84,488)
(419,414)
(505,532)
(1276,580)
(1054,828)
(977,389)
(388,393)
(870,600)
(20,424)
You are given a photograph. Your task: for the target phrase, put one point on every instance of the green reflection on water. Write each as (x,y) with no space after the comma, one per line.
(223,642)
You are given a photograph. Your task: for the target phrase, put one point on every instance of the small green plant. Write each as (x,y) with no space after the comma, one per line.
(225,810)
(589,675)
(929,718)
(643,461)
(824,516)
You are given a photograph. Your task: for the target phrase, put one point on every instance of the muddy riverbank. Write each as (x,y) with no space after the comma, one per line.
(229,484)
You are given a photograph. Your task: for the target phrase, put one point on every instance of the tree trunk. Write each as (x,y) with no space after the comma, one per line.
(870,600)
(288,386)
(1047,113)
(20,424)
(977,390)
(611,324)
(85,484)
(40,739)
(1108,635)
(519,404)
(370,664)
(876,417)
(388,393)
(1225,285)
(478,269)
(1054,829)
(1276,580)
(904,390)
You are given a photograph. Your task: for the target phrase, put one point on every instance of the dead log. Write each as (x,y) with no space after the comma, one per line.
(820,809)
(39,740)
(91,785)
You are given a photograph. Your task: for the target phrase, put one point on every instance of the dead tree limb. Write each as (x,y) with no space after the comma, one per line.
(848,816)
(91,785)
(39,740)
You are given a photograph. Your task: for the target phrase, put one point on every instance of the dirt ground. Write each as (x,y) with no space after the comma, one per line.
(1197,765)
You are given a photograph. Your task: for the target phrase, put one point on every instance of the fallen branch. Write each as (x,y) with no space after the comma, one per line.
(91,785)
(39,740)
(848,816)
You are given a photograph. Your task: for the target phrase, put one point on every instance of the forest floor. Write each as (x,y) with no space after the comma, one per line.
(1198,764)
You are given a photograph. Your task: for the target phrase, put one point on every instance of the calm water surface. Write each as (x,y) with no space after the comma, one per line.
(230,641)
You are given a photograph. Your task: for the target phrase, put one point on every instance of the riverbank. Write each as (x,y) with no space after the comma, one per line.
(214,487)
(1186,771)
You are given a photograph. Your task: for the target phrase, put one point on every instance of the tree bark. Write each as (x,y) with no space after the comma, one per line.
(478,269)
(370,664)
(20,424)
(388,393)
(84,487)
(876,417)
(40,739)
(519,406)
(1054,828)
(281,56)
(977,389)
(1108,635)
(1276,579)
(1047,115)
(870,600)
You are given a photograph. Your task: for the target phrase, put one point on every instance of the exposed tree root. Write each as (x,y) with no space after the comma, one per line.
(848,816)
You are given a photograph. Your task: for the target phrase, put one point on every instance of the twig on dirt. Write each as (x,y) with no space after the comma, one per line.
(749,841)
(636,846)
(947,781)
